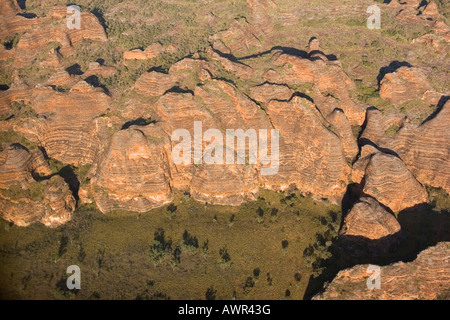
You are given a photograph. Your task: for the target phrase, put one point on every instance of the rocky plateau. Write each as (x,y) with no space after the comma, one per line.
(330,143)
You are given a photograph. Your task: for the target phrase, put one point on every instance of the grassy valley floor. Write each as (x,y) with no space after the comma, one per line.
(186,250)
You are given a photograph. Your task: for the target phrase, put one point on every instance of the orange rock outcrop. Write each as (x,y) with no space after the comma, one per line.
(24,200)
(425,278)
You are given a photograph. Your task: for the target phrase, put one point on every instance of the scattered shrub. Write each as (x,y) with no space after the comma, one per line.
(249,283)
(224,255)
(211,293)
(160,248)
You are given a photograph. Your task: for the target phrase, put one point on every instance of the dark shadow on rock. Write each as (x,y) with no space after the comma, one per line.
(422,226)
(137,122)
(99,14)
(364,125)
(286,50)
(422,4)
(159,69)
(95,82)
(4,87)
(177,89)
(230,57)
(66,173)
(21,4)
(302,95)
(439,107)
(292,51)
(226,80)
(74,70)
(8,44)
(259,103)
(351,196)
(27,15)
(365,141)
(71,179)
(19,146)
(44,152)
(256,55)
(392,67)
(59,89)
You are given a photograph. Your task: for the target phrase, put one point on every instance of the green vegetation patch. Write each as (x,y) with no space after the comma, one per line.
(179,251)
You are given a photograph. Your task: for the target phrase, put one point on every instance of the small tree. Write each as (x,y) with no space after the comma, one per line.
(269,279)
(160,248)
(211,293)
(260,213)
(205,246)
(189,240)
(249,283)
(224,258)
(172,208)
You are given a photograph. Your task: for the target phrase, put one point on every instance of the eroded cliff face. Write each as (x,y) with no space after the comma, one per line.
(424,148)
(53,28)
(68,126)
(12,22)
(305,95)
(331,145)
(425,278)
(29,192)
(369,220)
(132,174)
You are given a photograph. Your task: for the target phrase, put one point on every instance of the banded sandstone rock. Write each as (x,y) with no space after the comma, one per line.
(98,69)
(132,174)
(35,40)
(247,34)
(153,83)
(267,92)
(18,166)
(24,200)
(403,85)
(425,149)
(239,69)
(152,51)
(135,54)
(425,278)
(388,180)
(16,93)
(71,129)
(343,129)
(368,220)
(311,156)
(224,184)
(319,168)
(11,21)
(188,70)
(327,78)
